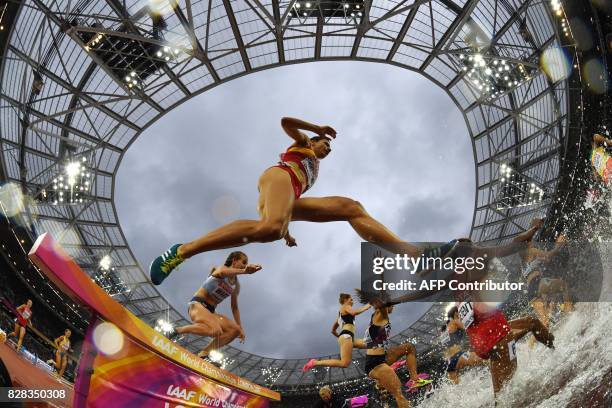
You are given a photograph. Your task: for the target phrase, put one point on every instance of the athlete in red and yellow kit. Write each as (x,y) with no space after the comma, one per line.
(601,160)
(280,202)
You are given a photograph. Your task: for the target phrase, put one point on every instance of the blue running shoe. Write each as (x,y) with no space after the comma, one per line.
(164,264)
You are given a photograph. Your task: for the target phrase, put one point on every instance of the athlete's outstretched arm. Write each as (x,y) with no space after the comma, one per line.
(226,271)
(528,235)
(292,127)
(334,329)
(359,311)
(547,255)
(499,251)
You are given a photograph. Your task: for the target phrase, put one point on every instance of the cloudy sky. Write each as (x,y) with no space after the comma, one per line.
(402,151)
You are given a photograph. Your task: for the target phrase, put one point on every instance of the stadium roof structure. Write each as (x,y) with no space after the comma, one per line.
(81,80)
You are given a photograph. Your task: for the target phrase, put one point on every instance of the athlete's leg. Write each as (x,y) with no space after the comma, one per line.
(520,327)
(408,350)
(15,331)
(346,354)
(229,331)
(58,360)
(328,209)
(554,286)
(386,377)
(22,332)
(204,322)
(276,198)
(502,363)
(64,363)
(471,361)
(453,376)
(359,344)
(541,311)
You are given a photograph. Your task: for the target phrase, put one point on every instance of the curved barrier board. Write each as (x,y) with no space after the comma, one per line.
(148,369)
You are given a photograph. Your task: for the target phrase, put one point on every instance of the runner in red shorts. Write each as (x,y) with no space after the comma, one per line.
(24,314)
(491,336)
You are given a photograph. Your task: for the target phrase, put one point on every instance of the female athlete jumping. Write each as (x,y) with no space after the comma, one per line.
(220,284)
(280,202)
(346,338)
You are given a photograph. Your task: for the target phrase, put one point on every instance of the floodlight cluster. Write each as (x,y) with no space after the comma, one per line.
(95,40)
(72,183)
(342,9)
(516,191)
(133,80)
(219,359)
(271,374)
(492,75)
(556,7)
(565,27)
(105,263)
(163,326)
(107,278)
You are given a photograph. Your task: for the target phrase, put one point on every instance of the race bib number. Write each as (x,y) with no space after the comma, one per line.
(512,350)
(466,314)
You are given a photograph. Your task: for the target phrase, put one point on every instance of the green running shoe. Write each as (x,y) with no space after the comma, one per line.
(164,264)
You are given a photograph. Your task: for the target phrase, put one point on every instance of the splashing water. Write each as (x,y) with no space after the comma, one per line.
(578,373)
(580,366)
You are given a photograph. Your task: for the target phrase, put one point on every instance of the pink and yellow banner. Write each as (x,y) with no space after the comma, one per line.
(136,377)
(146,364)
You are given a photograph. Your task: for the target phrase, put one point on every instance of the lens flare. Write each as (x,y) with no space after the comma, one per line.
(160,7)
(12,199)
(107,338)
(582,34)
(225,209)
(556,64)
(596,76)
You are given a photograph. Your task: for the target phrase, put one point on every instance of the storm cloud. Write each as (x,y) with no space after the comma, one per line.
(402,150)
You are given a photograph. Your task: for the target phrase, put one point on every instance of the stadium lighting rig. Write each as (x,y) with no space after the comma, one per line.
(515,190)
(130,59)
(163,326)
(351,12)
(271,374)
(70,185)
(108,279)
(493,76)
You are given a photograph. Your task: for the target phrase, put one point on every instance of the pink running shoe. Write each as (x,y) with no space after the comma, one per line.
(309,365)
